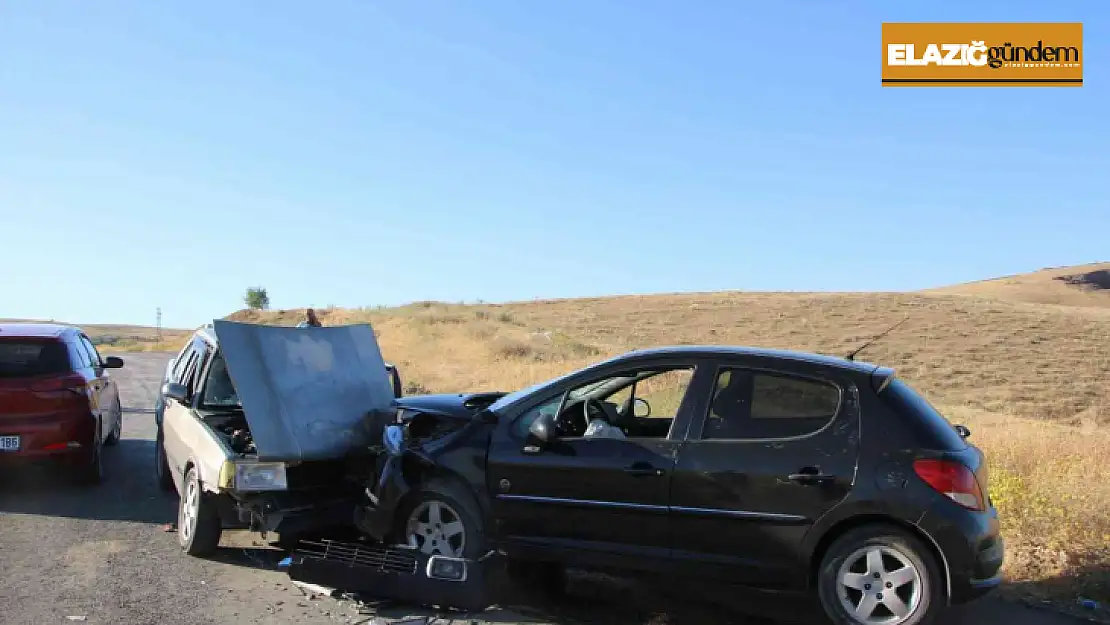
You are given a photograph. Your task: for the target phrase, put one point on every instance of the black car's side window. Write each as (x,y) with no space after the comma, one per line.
(761,405)
(637,403)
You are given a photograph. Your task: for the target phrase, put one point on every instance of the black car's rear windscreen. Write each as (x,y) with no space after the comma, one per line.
(924,418)
(24,358)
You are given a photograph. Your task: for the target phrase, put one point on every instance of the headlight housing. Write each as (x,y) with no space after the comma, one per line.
(253,476)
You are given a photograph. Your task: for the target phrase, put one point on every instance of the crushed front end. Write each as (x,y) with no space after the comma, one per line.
(430,435)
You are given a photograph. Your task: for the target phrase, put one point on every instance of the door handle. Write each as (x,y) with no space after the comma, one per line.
(810,476)
(644,470)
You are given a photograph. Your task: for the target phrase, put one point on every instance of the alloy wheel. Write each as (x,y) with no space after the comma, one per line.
(189,511)
(435,528)
(879,585)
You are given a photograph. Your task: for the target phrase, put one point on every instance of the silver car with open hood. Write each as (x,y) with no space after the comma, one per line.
(265,427)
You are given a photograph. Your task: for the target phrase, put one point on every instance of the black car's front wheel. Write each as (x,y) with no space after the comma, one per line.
(442,519)
(880,575)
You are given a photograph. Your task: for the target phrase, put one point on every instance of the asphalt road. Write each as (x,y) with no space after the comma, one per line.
(103,555)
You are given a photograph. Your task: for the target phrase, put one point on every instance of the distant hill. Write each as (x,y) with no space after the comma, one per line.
(1080,285)
(1030,345)
(117,337)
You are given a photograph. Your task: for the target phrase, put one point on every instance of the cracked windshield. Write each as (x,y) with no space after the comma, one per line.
(588,312)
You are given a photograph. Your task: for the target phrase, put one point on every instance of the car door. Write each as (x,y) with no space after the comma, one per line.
(774,449)
(593,501)
(104,389)
(177,418)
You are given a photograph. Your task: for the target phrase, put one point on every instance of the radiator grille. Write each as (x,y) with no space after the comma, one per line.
(381,558)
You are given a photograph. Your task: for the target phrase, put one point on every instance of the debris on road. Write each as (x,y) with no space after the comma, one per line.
(169,527)
(314,590)
(1090,604)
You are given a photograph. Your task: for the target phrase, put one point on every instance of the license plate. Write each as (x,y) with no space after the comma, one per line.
(9,443)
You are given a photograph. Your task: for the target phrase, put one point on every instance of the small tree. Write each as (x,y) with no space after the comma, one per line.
(257,298)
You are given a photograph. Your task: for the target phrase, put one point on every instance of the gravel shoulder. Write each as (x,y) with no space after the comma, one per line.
(103,554)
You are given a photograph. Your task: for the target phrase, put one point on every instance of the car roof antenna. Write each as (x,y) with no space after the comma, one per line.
(852,355)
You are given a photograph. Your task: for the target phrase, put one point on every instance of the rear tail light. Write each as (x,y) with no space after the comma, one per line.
(952,479)
(61,446)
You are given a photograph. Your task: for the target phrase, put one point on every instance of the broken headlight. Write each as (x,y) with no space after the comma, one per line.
(449,569)
(253,476)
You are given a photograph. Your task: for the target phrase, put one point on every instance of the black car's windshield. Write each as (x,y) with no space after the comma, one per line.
(219,392)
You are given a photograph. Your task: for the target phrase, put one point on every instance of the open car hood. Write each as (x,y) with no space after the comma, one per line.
(308,393)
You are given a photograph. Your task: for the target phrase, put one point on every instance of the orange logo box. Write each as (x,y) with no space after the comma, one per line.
(983,55)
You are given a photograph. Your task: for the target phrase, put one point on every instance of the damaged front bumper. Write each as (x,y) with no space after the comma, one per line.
(288,513)
(396,573)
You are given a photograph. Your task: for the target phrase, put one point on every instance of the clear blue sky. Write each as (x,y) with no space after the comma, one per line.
(377,152)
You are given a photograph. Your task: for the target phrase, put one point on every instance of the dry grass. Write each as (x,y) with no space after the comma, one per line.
(1030,379)
(1038,287)
(136,338)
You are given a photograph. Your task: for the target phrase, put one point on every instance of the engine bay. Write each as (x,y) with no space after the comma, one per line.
(233,429)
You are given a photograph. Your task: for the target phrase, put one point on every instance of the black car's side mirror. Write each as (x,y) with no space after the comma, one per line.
(113,362)
(540,434)
(175,391)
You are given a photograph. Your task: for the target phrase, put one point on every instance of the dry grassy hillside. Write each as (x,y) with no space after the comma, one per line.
(996,356)
(1078,285)
(1031,379)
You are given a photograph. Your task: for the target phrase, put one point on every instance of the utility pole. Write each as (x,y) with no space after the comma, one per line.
(159,323)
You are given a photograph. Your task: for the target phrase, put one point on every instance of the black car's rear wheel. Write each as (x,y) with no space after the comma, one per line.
(880,575)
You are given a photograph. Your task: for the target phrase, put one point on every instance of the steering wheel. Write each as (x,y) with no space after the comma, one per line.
(596,403)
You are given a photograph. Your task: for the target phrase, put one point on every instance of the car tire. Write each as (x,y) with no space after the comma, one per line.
(198,523)
(162,464)
(117,431)
(454,502)
(904,566)
(90,473)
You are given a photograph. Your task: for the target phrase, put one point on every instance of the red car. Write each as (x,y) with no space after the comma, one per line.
(57,402)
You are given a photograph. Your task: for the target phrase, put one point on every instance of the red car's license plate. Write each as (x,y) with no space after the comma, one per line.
(9,443)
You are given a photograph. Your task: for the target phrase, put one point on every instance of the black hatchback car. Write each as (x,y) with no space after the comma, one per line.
(769,468)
